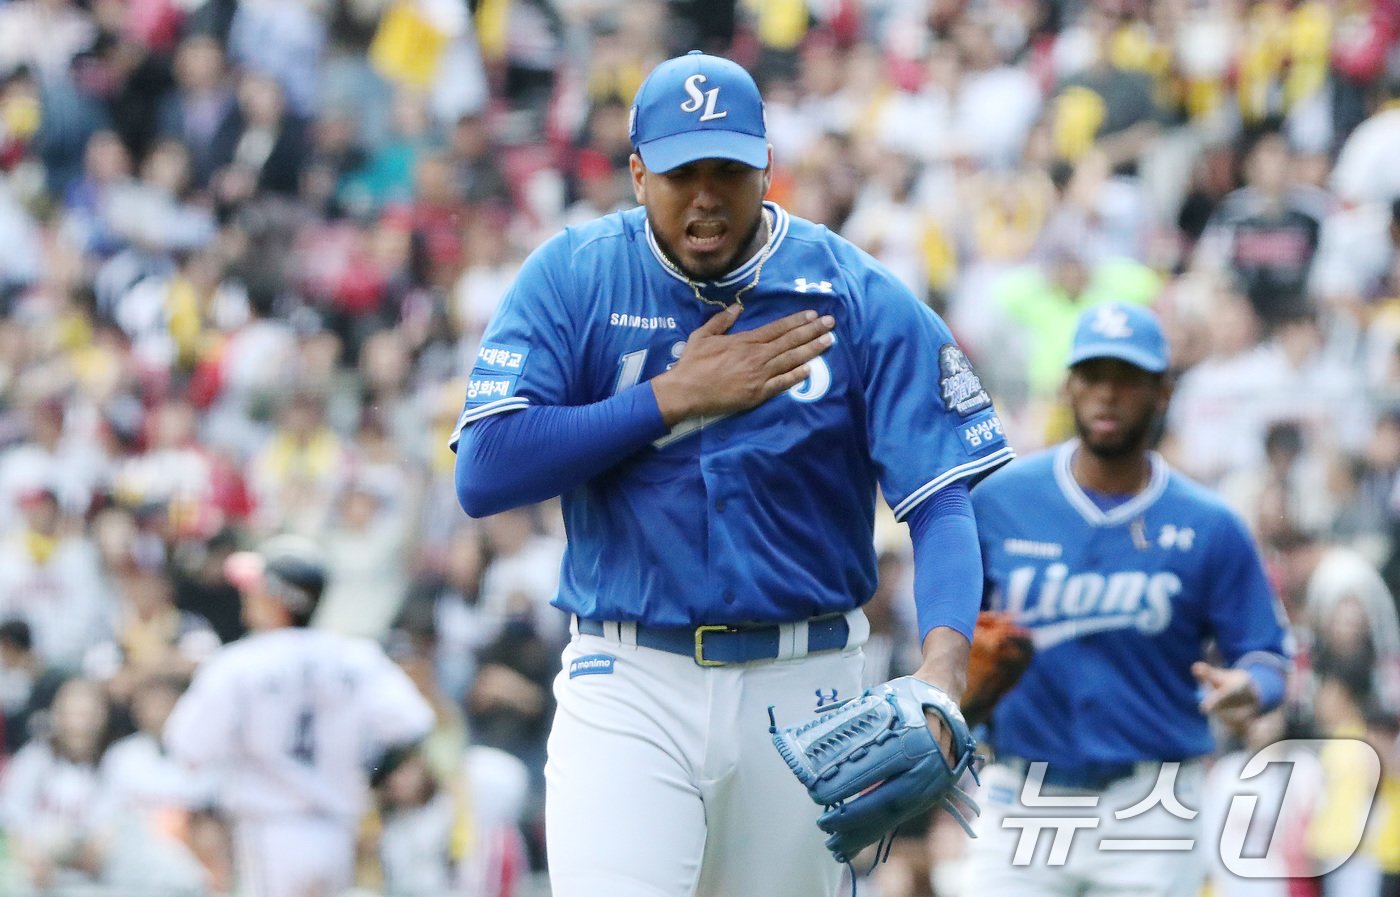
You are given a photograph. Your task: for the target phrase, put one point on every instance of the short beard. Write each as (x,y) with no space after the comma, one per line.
(734,262)
(1135,440)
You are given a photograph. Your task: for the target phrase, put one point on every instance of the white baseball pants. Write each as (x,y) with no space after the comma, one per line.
(1129,866)
(662,779)
(294,856)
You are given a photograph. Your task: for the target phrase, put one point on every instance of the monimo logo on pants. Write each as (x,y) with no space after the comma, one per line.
(592,665)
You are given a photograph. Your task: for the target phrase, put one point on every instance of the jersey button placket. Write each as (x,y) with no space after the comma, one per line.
(721,572)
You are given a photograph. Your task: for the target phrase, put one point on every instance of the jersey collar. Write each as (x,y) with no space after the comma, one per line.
(1092,513)
(744,271)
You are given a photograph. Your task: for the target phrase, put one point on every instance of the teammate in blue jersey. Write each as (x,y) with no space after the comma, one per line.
(717,390)
(1124,572)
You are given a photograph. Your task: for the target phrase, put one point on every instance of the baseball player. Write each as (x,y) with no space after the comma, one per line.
(716,388)
(294,718)
(1122,570)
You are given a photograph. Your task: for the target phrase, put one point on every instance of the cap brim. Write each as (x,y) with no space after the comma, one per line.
(665,153)
(1130,354)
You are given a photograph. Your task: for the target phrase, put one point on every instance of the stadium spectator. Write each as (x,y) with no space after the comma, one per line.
(1291,489)
(480,180)
(202,105)
(151,636)
(365,559)
(1361,174)
(1351,630)
(153,797)
(51,579)
(1099,103)
(1214,424)
(55,823)
(1339,822)
(300,470)
(27,686)
(263,147)
(1046,299)
(1267,232)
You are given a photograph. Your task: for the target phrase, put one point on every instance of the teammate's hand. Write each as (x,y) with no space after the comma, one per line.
(722,373)
(1230,693)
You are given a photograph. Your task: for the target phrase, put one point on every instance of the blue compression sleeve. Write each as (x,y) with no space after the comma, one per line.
(947,561)
(1269,681)
(521,457)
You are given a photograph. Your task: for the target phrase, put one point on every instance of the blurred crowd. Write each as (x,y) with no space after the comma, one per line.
(247,248)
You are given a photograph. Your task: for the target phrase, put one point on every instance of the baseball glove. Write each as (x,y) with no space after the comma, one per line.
(1001,651)
(873,762)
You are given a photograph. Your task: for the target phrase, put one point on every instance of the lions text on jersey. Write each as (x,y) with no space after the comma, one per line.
(1120,602)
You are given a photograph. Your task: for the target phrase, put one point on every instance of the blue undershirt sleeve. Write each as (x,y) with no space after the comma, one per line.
(947,561)
(1269,682)
(522,457)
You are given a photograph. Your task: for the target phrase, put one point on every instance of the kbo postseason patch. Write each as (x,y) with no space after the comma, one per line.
(959,384)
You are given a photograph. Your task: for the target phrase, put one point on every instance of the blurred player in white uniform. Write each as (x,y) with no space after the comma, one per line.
(295,719)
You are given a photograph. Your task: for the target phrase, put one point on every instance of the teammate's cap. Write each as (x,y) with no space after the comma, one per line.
(698,107)
(288,567)
(1118,330)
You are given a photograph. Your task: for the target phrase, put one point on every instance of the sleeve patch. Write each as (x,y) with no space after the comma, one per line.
(500,358)
(980,434)
(958,384)
(486,387)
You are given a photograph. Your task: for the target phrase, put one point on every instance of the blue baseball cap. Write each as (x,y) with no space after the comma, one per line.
(1126,332)
(698,107)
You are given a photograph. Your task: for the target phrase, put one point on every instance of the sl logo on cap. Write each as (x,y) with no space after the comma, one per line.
(1111,322)
(707,99)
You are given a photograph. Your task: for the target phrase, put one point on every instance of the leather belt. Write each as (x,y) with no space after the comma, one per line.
(711,646)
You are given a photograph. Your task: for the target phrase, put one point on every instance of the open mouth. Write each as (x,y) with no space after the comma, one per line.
(705,236)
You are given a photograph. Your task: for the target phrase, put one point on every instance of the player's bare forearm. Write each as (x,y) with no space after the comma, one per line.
(722,373)
(945,665)
(945,661)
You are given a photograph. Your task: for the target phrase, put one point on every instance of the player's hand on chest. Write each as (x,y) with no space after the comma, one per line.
(724,370)
(712,365)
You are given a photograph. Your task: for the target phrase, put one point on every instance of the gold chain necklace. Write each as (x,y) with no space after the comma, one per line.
(739,296)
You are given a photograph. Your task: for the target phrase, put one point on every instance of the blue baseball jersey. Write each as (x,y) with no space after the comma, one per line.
(761,516)
(1120,604)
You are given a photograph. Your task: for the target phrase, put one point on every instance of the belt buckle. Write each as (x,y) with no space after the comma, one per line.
(700,644)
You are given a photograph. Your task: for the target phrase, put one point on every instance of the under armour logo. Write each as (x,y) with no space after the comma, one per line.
(1172,536)
(1111,322)
(826,697)
(802,285)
